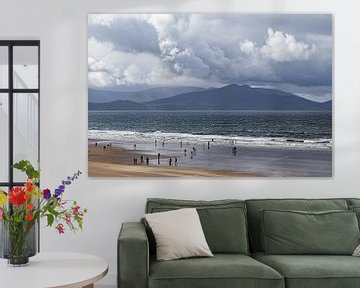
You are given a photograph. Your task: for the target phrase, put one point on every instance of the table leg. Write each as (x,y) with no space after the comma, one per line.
(89,286)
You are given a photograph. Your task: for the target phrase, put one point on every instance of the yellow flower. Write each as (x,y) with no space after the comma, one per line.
(3,198)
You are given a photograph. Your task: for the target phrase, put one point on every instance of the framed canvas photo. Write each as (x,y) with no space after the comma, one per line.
(210,95)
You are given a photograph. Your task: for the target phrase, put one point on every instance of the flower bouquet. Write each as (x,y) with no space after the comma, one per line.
(21,208)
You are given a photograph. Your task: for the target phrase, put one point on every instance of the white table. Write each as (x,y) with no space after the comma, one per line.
(60,270)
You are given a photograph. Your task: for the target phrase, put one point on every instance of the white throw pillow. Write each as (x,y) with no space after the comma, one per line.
(178,234)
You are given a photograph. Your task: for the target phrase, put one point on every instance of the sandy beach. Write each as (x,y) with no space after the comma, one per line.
(118,162)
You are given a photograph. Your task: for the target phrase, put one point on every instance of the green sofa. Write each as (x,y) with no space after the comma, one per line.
(233,230)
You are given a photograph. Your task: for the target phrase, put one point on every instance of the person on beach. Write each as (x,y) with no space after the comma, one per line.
(194,150)
(208,145)
(155,142)
(147,160)
(134,146)
(142,159)
(234,150)
(175,161)
(163,143)
(95,144)
(158,158)
(104,147)
(180,144)
(135,161)
(185,152)
(170,161)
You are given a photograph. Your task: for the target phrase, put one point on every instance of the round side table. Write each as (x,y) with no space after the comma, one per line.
(50,270)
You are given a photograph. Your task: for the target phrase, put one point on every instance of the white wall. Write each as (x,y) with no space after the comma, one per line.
(61,26)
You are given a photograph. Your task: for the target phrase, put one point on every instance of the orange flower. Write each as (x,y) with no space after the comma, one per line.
(27,196)
(29,217)
(29,206)
(29,186)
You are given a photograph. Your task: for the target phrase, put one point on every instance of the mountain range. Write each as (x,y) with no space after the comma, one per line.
(230,97)
(97,96)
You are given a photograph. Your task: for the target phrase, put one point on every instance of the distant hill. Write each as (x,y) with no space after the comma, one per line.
(234,97)
(117,105)
(102,96)
(231,97)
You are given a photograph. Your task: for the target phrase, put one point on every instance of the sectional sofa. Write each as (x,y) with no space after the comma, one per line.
(261,243)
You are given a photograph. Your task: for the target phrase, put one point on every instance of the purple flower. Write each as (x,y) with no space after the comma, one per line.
(64,183)
(58,192)
(46,194)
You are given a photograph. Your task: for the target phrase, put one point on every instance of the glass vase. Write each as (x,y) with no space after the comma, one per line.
(18,242)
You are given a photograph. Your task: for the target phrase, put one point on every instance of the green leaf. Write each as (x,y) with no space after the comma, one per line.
(28,168)
(53,211)
(50,219)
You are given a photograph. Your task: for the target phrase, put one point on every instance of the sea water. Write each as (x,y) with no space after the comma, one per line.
(302,130)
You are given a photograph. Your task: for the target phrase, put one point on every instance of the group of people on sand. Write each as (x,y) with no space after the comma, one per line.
(172,161)
(143,160)
(108,145)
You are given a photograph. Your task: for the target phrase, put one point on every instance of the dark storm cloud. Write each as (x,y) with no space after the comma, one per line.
(299,73)
(130,35)
(253,26)
(209,50)
(297,24)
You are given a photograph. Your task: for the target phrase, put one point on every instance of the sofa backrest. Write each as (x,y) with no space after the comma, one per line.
(223,221)
(353,202)
(256,205)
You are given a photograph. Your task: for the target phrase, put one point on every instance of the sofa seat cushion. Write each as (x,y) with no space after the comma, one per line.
(222,270)
(313,271)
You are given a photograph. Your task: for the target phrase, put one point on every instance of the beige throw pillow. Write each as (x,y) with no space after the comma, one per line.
(178,234)
(357,251)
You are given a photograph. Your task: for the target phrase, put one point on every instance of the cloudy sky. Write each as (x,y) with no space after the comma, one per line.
(130,52)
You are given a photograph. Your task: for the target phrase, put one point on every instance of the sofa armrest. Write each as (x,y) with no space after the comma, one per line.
(133,256)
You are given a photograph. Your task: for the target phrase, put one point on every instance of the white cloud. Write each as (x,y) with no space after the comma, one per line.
(247,47)
(100,79)
(282,47)
(110,67)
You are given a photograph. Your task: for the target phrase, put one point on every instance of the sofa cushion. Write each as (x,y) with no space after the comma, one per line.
(353,201)
(313,271)
(223,221)
(178,234)
(254,207)
(222,270)
(356,209)
(297,232)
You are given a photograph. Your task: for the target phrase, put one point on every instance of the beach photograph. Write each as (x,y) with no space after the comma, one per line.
(205,95)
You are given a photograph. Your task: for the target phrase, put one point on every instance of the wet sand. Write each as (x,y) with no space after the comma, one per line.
(118,162)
